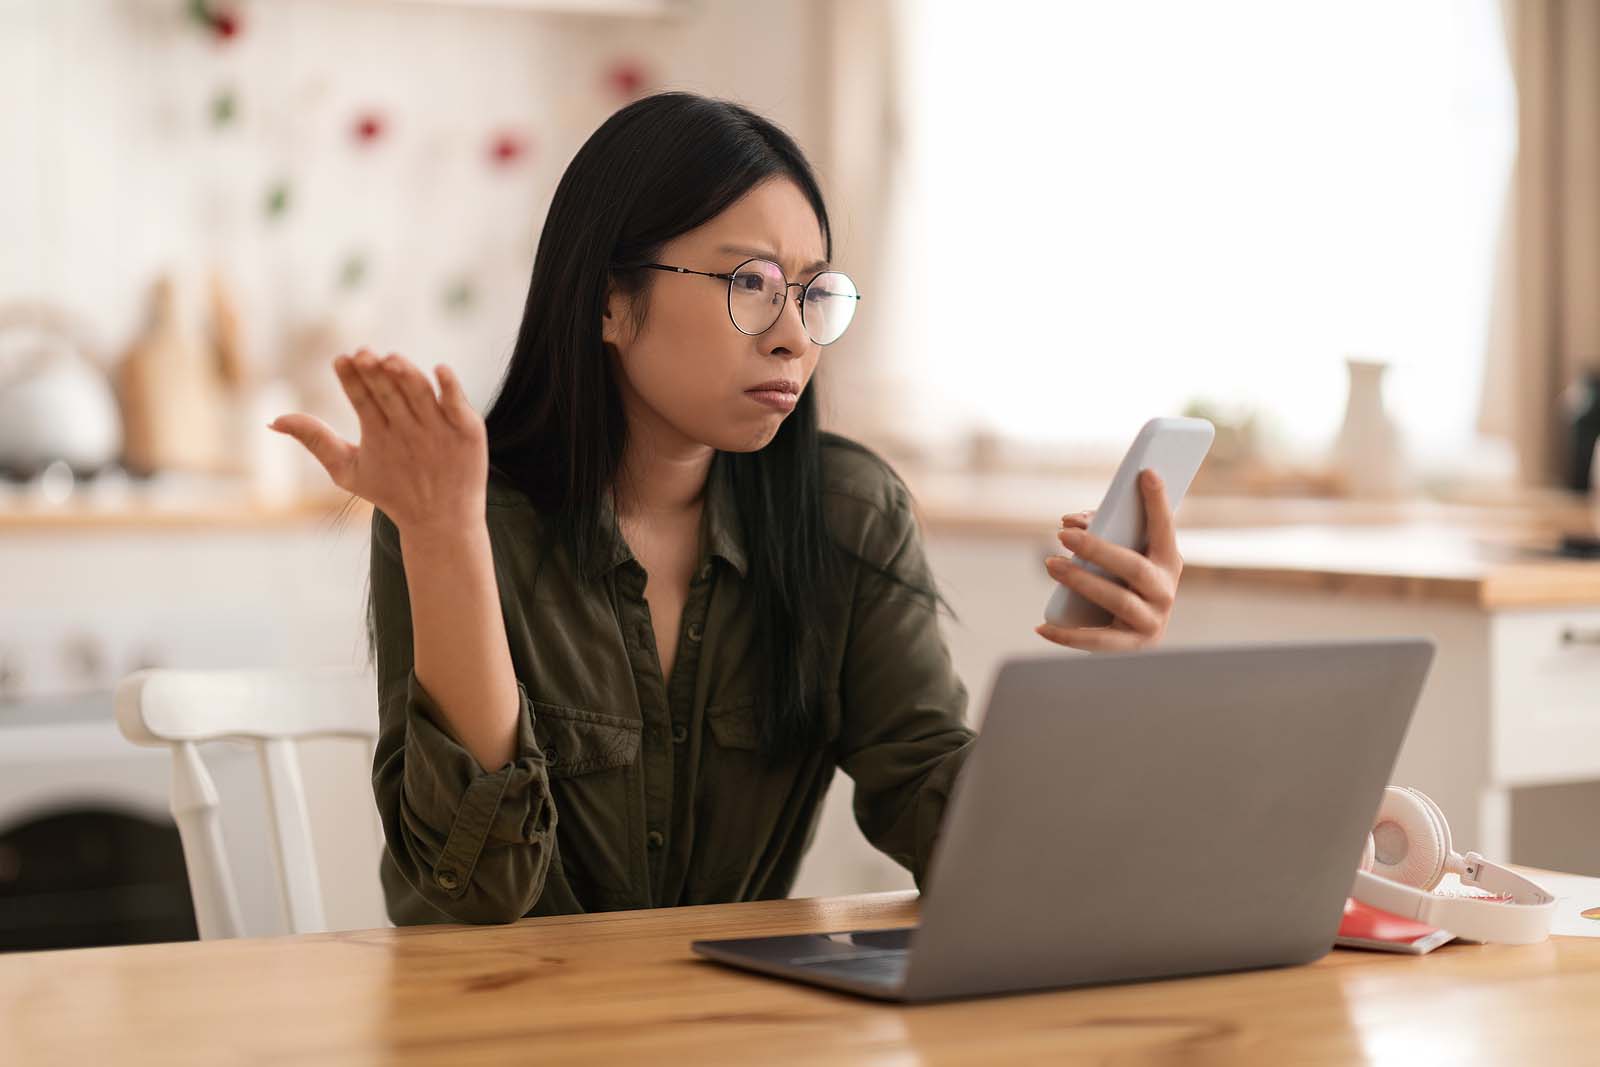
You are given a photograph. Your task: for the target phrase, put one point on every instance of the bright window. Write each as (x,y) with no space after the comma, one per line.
(1109,209)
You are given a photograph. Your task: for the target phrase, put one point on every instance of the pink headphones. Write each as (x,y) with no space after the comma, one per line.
(1409,851)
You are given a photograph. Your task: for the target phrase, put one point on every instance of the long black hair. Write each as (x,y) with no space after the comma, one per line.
(655,169)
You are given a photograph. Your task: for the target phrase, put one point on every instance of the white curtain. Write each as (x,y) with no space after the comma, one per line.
(862,164)
(1547,308)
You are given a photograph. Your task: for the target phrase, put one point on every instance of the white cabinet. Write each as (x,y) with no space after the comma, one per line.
(1543,679)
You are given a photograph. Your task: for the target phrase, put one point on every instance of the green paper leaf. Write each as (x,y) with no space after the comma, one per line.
(277,204)
(224,108)
(353,271)
(460,296)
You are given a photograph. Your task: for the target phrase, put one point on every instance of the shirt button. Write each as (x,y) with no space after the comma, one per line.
(446,879)
(705,571)
(680,732)
(654,839)
(694,631)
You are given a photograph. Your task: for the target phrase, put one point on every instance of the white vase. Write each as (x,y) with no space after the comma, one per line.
(1369,451)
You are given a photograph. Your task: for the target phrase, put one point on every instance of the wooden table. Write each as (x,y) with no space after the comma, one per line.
(623,987)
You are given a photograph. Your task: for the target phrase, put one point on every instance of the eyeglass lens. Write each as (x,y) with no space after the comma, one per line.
(758,288)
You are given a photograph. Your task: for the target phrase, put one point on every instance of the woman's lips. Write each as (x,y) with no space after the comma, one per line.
(774,398)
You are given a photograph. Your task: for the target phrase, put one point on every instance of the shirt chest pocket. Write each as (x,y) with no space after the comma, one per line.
(733,723)
(589,756)
(576,742)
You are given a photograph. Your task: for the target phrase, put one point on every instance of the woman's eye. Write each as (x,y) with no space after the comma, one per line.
(750,283)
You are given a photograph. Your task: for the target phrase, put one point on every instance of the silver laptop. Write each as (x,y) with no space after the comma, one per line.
(1137,815)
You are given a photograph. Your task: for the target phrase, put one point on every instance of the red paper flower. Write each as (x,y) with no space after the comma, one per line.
(225,24)
(626,78)
(506,148)
(368,127)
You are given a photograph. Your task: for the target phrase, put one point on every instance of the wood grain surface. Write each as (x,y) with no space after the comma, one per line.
(623,988)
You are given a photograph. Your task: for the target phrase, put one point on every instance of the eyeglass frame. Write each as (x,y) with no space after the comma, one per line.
(787,285)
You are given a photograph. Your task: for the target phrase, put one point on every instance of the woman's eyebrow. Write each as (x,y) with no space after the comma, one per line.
(763,253)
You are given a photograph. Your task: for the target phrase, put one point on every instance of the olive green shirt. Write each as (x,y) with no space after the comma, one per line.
(631,790)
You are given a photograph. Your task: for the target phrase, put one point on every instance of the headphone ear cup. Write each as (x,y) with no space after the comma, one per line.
(1438,818)
(1408,840)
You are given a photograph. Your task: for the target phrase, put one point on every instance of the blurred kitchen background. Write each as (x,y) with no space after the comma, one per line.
(1362,237)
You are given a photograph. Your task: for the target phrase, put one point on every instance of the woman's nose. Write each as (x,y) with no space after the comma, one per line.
(787,335)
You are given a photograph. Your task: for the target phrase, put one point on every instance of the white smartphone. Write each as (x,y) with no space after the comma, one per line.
(1175,447)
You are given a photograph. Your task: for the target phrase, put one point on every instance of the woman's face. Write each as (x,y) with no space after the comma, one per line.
(687,367)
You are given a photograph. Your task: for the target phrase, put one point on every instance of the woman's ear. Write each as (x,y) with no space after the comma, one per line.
(615,317)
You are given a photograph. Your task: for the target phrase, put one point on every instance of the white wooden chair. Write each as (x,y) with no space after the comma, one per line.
(274,709)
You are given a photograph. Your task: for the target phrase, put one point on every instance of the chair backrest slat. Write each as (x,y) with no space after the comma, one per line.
(291,833)
(274,710)
(194,808)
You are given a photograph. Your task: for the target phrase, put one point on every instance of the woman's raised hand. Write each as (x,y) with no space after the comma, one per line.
(423,458)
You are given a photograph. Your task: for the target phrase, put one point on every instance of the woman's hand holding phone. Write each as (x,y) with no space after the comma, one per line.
(423,458)
(1140,611)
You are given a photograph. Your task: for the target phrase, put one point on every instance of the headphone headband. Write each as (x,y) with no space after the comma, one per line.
(1523,920)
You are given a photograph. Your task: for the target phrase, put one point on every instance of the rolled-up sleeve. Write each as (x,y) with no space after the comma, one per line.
(903,734)
(474,844)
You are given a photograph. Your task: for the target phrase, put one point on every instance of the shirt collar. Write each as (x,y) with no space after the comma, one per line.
(721,530)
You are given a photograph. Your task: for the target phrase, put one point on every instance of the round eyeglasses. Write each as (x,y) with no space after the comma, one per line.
(757,290)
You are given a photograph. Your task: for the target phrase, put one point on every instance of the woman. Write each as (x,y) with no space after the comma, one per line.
(627,625)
